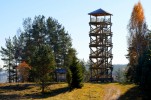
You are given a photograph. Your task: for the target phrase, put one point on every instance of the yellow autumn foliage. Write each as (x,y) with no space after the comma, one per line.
(137,17)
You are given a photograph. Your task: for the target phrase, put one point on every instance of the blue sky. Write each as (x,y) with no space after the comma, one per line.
(73,15)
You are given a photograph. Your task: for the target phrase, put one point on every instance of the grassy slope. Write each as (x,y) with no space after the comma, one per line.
(90,91)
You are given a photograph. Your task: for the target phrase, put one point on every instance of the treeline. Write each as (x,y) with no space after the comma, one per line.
(139,49)
(43,44)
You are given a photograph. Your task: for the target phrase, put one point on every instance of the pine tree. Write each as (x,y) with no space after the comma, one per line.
(43,64)
(46,31)
(77,75)
(59,40)
(8,58)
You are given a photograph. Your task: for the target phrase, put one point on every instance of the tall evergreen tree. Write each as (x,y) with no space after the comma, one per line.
(46,31)
(59,40)
(43,64)
(8,57)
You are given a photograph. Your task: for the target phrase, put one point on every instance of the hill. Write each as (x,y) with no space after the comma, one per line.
(118,72)
(3,76)
(118,66)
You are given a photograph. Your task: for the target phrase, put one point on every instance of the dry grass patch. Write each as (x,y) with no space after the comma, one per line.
(90,91)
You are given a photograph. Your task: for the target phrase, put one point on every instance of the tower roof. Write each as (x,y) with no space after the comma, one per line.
(99,12)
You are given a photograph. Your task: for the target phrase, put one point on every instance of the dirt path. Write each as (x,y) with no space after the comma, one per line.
(112,93)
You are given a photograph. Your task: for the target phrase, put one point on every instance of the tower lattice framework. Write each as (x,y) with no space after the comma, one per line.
(100,46)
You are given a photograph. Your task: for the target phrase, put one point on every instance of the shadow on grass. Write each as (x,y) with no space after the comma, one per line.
(10,97)
(48,94)
(135,93)
(35,95)
(16,87)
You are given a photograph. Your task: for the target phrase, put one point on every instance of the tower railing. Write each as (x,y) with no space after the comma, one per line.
(100,20)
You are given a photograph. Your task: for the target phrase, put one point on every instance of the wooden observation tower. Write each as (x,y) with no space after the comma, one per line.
(100,46)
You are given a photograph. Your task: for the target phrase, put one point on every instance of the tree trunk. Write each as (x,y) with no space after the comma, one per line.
(43,87)
(9,78)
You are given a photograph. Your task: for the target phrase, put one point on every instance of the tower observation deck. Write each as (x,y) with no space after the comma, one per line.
(100,46)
